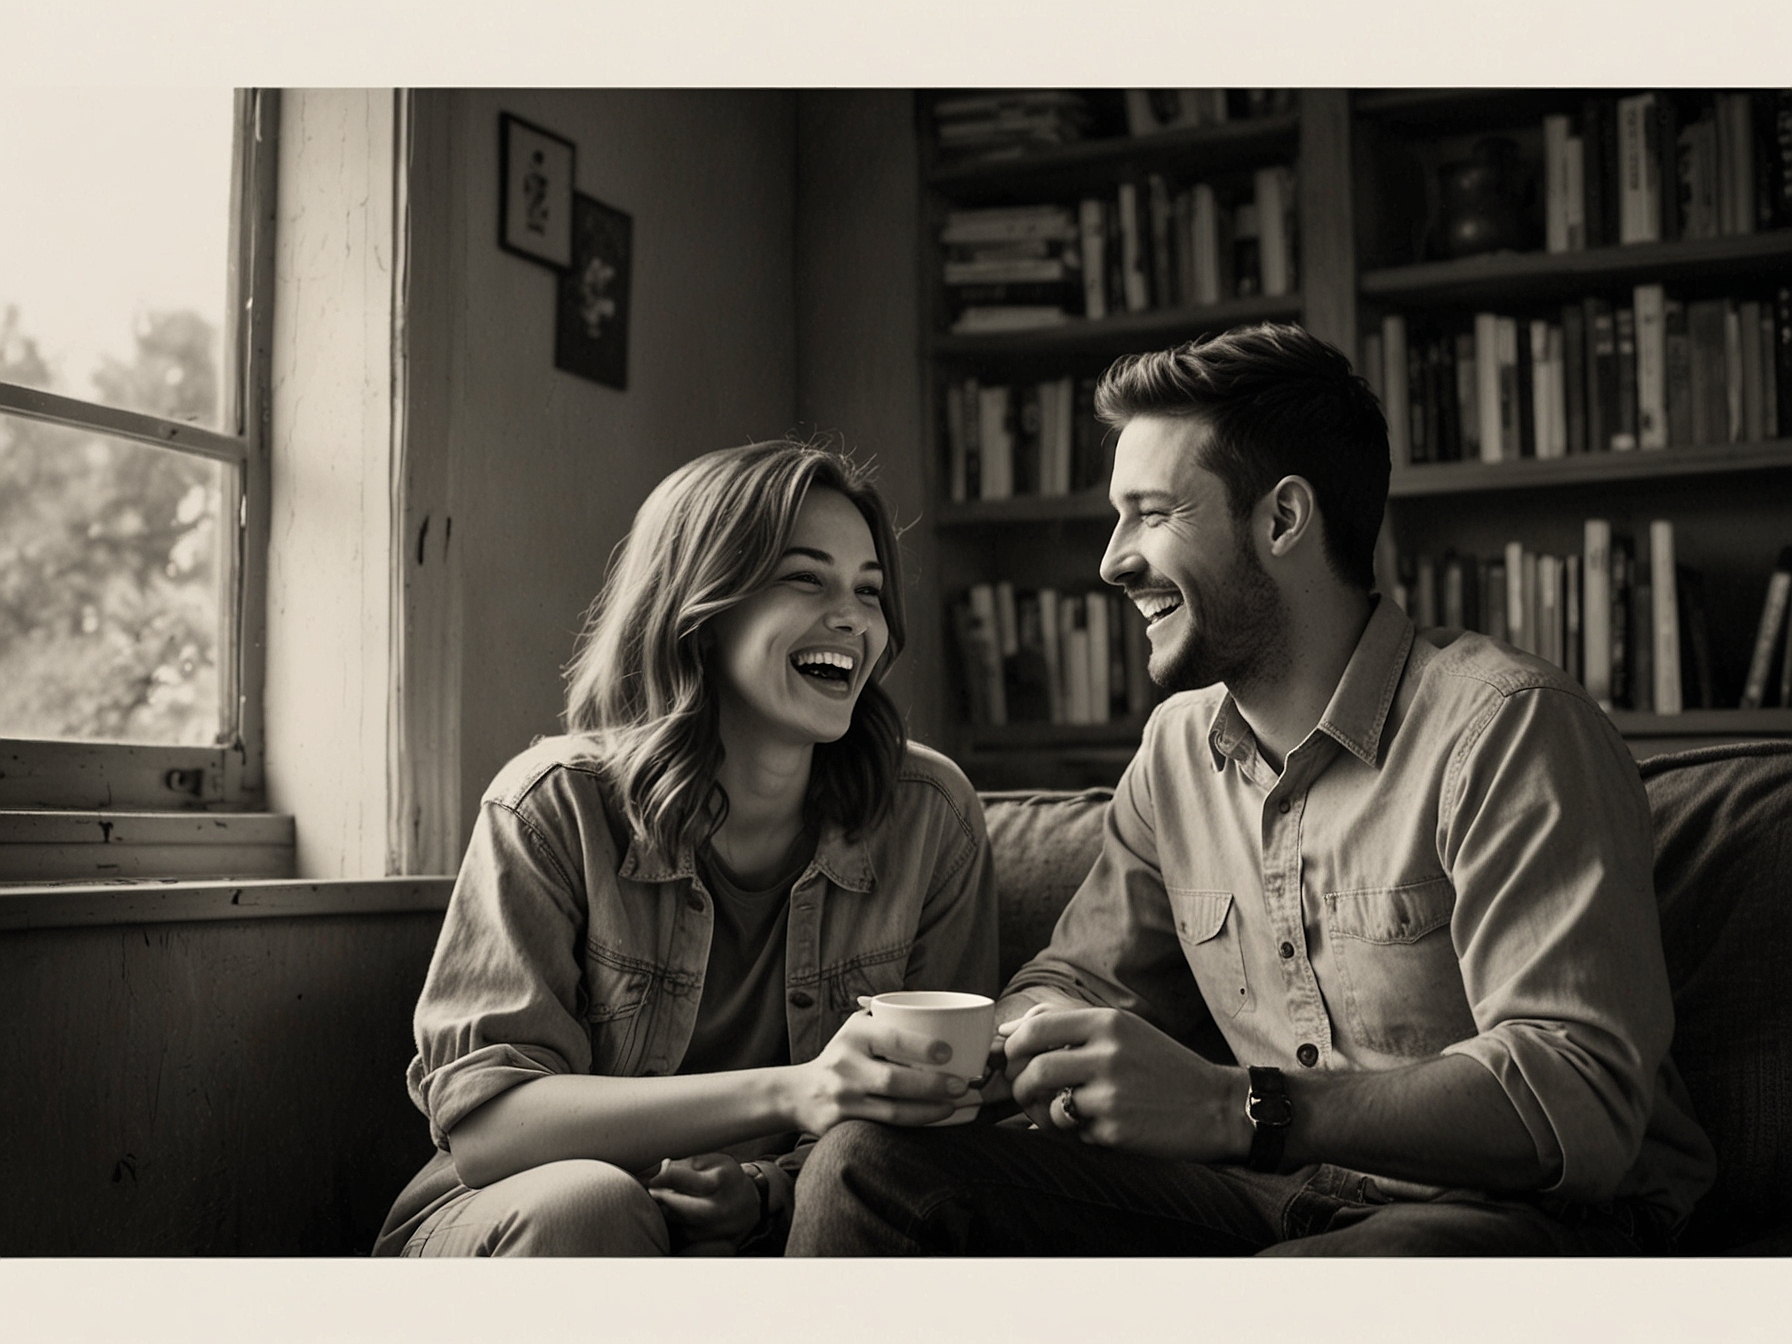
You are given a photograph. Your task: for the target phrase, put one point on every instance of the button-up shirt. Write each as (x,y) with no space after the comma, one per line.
(1456,860)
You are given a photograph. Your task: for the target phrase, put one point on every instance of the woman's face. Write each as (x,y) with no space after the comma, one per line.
(791,659)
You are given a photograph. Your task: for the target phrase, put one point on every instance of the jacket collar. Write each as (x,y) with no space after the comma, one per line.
(845,863)
(1357,714)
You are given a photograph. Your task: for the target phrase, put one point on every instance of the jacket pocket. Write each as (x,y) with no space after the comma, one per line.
(1402,983)
(868,974)
(616,990)
(1207,926)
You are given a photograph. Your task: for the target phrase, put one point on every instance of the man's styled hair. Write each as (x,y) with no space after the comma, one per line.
(708,536)
(1279,402)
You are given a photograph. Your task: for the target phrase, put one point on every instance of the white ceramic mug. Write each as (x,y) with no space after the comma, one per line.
(966,1022)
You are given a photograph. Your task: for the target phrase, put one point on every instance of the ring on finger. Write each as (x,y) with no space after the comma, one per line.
(1066,1103)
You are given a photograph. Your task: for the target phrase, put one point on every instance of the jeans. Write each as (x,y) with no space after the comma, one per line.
(1007,1189)
(560,1208)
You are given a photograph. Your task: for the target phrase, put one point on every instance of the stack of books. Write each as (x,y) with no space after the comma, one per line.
(1045,656)
(1012,268)
(1008,123)
(1592,376)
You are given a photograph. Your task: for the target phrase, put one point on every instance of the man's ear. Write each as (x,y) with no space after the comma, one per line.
(1289,512)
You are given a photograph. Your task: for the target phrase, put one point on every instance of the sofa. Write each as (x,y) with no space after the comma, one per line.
(1723,879)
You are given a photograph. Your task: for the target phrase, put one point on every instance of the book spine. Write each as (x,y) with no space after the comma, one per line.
(1468,410)
(996,441)
(1526,366)
(1639,201)
(1493,600)
(972,402)
(1574,378)
(1771,410)
(1651,367)
(1506,346)
(1487,385)
(1517,634)
(1138,660)
(1162,275)
(1073,614)
(1732,373)
(1624,328)
(1754,418)
(1396,404)
(1093,230)
(1596,614)
(955,463)
(1272,222)
(1573,618)
(1420,447)
(1663,581)
(1602,375)
(1549,609)
(1678,347)
(1132,250)
(1782,352)
(1051,640)
(1597,149)
(1574,170)
(1555,180)
(1767,632)
(1206,242)
(1623,629)
(1100,691)
(988,653)
(1542,416)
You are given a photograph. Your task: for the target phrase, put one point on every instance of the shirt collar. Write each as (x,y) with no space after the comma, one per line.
(1358,710)
(846,863)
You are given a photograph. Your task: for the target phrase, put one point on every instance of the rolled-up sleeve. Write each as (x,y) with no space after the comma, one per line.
(500,1004)
(1544,829)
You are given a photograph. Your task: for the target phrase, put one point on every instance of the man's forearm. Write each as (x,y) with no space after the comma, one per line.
(1445,1121)
(1011,1006)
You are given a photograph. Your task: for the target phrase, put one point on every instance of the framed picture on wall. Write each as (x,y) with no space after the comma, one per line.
(591,316)
(535,192)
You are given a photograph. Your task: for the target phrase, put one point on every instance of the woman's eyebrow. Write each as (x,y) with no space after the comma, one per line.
(822,557)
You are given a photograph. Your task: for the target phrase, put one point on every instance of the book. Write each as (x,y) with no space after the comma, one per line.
(1599,140)
(1651,366)
(1698,179)
(1677,348)
(1028,686)
(1468,409)
(1096,608)
(1009,317)
(1556,188)
(1092,225)
(1549,637)
(1274,198)
(1487,386)
(1596,610)
(1161,274)
(1782,354)
(1518,631)
(970,401)
(1767,631)
(1135,286)
(1602,374)
(1246,255)
(1665,617)
(1770,407)
(1665,146)
(1137,644)
(1542,417)
(1733,372)
(1642,641)
(1396,404)
(1493,600)
(1419,404)
(1639,186)
(1525,368)
(1623,628)
(1709,380)
(1073,625)
(980,644)
(1511,431)
(1696,688)
(1624,431)
(1574,378)
(1051,642)
(953,402)
(1004,224)
(1573,618)
(1735,163)
(995,441)
(1204,240)
(1026,446)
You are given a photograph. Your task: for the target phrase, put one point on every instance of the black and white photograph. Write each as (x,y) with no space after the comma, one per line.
(996,692)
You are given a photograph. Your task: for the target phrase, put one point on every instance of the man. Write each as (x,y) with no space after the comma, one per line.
(1406,875)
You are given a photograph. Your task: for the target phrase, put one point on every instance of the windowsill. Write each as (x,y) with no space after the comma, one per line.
(105,845)
(59,905)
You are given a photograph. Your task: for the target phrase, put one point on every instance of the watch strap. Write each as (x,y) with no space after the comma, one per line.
(1270,1112)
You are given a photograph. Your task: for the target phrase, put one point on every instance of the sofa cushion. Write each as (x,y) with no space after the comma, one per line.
(1723,864)
(1044,845)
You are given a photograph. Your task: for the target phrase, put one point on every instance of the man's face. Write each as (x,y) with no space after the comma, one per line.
(1213,613)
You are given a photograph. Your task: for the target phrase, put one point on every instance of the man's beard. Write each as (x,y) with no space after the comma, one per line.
(1237,630)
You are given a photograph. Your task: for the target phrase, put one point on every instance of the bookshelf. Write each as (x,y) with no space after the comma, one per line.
(1727,491)
(1362,229)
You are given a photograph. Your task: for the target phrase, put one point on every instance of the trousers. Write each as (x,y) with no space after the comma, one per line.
(560,1208)
(1008,1189)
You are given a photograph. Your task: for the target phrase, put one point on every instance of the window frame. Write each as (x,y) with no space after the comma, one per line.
(227,775)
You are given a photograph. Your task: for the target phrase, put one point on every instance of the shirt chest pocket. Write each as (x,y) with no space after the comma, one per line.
(1207,927)
(615,993)
(1402,983)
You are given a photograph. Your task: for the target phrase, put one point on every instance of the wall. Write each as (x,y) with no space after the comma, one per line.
(545,468)
(858,323)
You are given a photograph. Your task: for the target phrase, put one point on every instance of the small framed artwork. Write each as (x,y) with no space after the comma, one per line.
(591,316)
(535,192)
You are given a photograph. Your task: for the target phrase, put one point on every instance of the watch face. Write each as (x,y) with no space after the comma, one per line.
(1274,1110)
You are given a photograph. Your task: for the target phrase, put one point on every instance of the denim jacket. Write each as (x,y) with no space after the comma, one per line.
(573,946)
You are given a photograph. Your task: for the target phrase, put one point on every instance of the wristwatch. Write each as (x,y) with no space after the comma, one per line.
(1270,1111)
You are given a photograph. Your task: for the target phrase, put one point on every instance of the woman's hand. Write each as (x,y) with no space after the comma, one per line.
(710,1204)
(869,1072)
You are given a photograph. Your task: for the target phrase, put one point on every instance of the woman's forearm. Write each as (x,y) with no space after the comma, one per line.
(630,1122)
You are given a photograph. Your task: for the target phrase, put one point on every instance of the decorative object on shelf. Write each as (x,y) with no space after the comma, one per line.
(1484,199)
(535,192)
(591,315)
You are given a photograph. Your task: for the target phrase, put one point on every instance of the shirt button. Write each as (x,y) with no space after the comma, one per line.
(1308,1054)
(1287,950)
(1282,806)
(801,999)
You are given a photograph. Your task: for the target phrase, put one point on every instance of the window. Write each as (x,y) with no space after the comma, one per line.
(135,265)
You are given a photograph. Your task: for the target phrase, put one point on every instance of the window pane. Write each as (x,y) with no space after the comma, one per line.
(113,565)
(114,245)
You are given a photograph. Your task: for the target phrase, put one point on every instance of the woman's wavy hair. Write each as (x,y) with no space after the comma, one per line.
(708,536)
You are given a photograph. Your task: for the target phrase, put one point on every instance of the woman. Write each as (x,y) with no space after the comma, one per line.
(644,993)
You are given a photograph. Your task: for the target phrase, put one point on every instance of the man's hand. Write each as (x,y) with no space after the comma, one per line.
(1136,1089)
(709,1202)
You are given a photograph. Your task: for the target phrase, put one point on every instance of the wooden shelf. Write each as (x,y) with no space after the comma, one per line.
(1512,278)
(1463,478)
(1706,723)
(1436,110)
(1074,170)
(1111,336)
